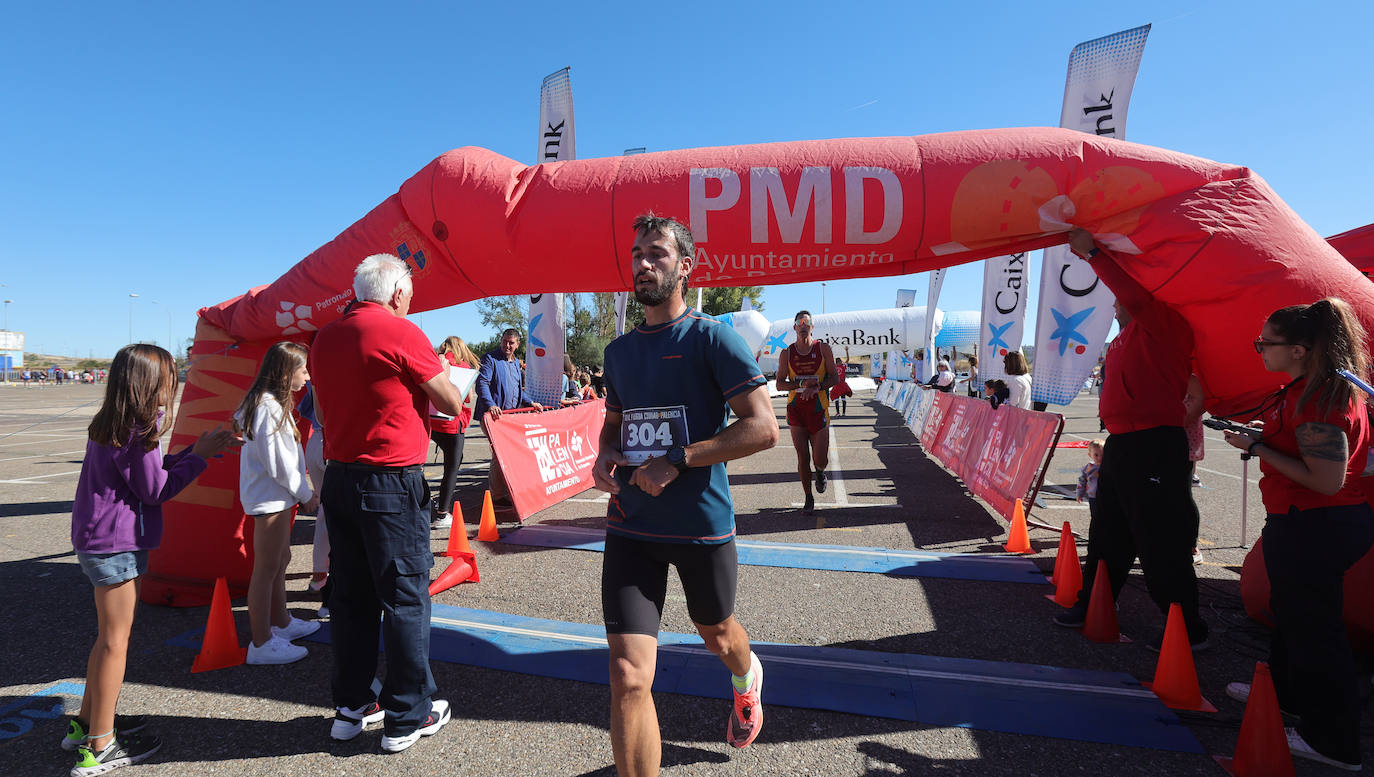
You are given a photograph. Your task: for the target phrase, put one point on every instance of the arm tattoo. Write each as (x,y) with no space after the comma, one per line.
(1323,441)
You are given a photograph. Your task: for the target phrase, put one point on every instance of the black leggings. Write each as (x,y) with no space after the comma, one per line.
(451,445)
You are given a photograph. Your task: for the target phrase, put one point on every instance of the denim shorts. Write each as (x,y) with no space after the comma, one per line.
(113,568)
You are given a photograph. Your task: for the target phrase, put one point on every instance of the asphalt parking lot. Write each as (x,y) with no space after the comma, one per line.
(275,720)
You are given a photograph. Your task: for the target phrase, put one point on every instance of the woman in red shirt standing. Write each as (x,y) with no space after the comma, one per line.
(1312,451)
(449,433)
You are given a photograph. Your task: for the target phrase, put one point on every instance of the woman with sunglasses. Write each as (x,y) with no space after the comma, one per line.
(1312,450)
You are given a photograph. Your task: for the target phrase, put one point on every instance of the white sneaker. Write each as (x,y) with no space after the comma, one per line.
(1299,747)
(439,714)
(443,521)
(296,629)
(275,651)
(1239,691)
(350,723)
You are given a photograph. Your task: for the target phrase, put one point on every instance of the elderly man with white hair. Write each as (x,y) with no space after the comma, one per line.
(375,376)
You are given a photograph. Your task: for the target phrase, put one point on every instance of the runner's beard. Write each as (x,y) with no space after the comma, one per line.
(660,293)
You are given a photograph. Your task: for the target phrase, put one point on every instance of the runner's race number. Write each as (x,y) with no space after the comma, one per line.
(646,432)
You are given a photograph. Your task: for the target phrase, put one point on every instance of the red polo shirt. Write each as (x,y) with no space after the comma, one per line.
(367,368)
(1281,422)
(1147,365)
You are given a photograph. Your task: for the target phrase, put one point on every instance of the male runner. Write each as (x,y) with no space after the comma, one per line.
(806,370)
(662,458)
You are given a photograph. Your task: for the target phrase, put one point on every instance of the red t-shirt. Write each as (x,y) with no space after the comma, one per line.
(1147,365)
(367,368)
(459,423)
(1281,424)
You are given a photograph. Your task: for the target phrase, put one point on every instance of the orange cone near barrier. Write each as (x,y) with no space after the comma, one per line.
(486,531)
(1067,547)
(1262,749)
(219,649)
(1175,680)
(462,569)
(1100,625)
(458,534)
(1018,539)
(1068,577)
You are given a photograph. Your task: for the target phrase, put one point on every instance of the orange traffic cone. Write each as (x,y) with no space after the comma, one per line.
(458,534)
(1100,625)
(1068,577)
(1018,539)
(1066,547)
(486,531)
(1175,680)
(462,569)
(220,647)
(1262,749)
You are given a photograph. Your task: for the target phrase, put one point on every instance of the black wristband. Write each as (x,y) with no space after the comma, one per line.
(1253,446)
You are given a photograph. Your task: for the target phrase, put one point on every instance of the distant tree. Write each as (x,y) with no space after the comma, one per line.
(501,313)
(715,302)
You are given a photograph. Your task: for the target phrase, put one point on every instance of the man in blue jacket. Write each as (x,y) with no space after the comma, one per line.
(500,381)
(501,386)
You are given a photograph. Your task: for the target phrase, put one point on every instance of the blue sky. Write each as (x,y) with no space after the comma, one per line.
(187,153)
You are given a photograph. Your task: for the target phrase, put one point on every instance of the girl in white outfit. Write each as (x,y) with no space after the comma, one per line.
(272,482)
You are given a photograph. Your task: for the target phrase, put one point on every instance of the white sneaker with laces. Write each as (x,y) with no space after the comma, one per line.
(349,723)
(1299,747)
(1239,691)
(296,629)
(443,521)
(275,651)
(439,714)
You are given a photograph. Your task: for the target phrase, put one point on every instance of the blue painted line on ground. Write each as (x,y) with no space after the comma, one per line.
(1090,706)
(835,558)
(59,689)
(191,639)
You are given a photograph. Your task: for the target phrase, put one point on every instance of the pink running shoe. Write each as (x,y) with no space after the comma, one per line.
(746,719)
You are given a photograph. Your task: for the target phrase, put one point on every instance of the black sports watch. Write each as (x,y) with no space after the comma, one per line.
(677,456)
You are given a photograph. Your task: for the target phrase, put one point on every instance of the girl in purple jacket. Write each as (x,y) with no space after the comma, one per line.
(116,520)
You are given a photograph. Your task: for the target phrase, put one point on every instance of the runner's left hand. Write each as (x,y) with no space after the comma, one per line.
(654,475)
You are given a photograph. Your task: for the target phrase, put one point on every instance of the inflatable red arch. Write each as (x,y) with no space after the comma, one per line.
(1211,240)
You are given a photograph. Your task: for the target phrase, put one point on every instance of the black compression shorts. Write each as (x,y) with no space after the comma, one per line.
(634,582)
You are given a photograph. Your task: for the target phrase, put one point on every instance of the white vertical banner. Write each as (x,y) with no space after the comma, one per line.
(1075,310)
(927,368)
(1004,313)
(622,300)
(899,363)
(548,335)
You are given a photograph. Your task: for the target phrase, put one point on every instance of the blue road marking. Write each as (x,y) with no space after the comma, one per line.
(836,558)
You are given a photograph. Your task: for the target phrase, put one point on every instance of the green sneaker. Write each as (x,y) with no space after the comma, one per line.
(124,724)
(123,750)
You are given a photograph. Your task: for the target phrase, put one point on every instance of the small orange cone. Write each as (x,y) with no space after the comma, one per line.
(1067,547)
(1262,749)
(1068,577)
(486,531)
(1018,539)
(220,647)
(1175,680)
(1100,625)
(458,534)
(462,569)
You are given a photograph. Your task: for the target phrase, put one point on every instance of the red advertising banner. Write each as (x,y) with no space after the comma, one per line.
(999,454)
(964,422)
(546,457)
(1016,447)
(935,427)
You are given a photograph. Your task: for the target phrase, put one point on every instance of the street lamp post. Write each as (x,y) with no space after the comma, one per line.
(822,296)
(132,297)
(7,314)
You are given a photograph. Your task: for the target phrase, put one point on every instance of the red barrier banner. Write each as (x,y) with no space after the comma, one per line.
(1017,446)
(964,423)
(546,457)
(935,427)
(999,454)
